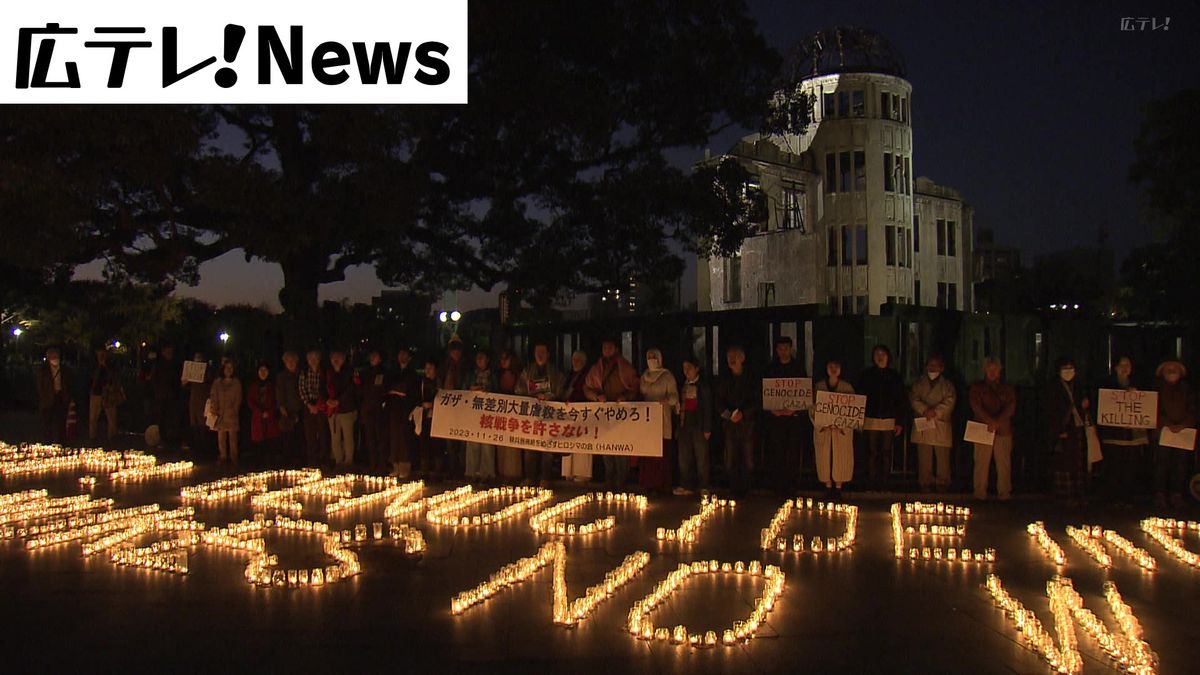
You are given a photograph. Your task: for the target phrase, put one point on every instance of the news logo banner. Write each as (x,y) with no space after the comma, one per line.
(843,411)
(222,51)
(626,429)
(787,393)
(1127,409)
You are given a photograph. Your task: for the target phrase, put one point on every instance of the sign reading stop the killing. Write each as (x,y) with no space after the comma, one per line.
(787,393)
(1128,409)
(627,429)
(845,411)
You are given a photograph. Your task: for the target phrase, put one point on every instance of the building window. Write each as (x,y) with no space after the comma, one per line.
(766,293)
(791,209)
(828,105)
(889,248)
(951,239)
(908,175)
(903,109)
(860,304)
(891,300)
(830,172)
(732,291)
(860,170)
(847,304)
(916,233)
(951,296)
(917,292)
(941,237)
(907,247)
(889,180)
(941,295)
(832,260)
(843,103)
(860,243)
(858,105)
(844,167)
(847,246)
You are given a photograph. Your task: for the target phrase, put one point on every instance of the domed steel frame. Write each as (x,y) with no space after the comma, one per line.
(843,49)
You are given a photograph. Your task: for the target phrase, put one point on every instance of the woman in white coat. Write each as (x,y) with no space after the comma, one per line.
(932,398)
(834,445)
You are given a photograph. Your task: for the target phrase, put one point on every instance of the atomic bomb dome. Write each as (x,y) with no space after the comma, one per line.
(843,49)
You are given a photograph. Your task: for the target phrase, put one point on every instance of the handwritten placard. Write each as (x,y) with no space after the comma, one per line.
(845,411)
(787,393)
(193,371)
(1129,409)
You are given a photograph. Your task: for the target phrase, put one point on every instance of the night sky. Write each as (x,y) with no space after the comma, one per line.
(1030,109)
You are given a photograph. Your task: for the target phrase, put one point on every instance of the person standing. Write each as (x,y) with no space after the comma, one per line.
(887,407)
(576,466)
(263,402)
(433,460)
(1124,449)
(166,379)
(834,445)
(1066,408)
(316,422)
(994,402)
(695,430)
(54,397)
(291,409)
(658,385)
(612,378)
(226,395)
(932,398)
(783,429)
(342,405)
(453,374)
(402,396)
(105,394)
(200,437)
(739,400)
(1176,412)
(542,380)
(481,457)
(374,424)
(508,460)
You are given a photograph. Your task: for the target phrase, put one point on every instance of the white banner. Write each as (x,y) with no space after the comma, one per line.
(627,429)
(1128,409)
(845,411)
(233,51)
(787,393)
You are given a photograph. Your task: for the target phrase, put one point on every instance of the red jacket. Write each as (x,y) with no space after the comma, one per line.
(260,396)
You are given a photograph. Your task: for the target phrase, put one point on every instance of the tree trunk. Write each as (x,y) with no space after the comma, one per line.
(301,313)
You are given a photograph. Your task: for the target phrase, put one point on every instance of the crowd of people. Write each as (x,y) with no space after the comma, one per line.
(323,411)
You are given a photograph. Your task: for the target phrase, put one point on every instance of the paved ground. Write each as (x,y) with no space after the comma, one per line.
(854,611)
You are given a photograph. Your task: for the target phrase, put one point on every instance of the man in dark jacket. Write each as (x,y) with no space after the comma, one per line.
(374,390)
(1176,412)
(739,398)
(784,430)
(404,384)
(994,402)
(887,407)
(166,386)
(695,428)
(341,384)
(291,408)
(54,397)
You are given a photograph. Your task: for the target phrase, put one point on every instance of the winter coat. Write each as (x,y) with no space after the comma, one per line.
(613,378)
(1176,405)
(574,389)
(480,380)
(408,382)
(341,386)
(373,389)
(264,410)
(842,440)
(994,404)
(1057,407)
(538,380)
(198,393)
(940,396)
(47,397)
(886,395)
(701,417)
(226,397)
(659,386)
(287,390)
(739,392)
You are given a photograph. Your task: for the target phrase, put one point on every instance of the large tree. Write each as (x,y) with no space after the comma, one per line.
(558,176)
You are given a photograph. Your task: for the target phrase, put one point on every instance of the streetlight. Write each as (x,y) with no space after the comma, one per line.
(17,331)
(116,344)
(223,337)
(443,316)
(455,315)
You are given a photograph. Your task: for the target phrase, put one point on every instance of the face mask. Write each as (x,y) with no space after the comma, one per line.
(934,374)
(1067,374)
(653,364)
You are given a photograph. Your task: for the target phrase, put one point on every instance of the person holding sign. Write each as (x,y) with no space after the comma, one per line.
(932,398)
(886,409)
(226,396)
(834,446)
(542,380)
(784,436)
(1176,426)
(738,400)
(695,429)
(612,378)
(576,466)
(658,384)
(1124,447)
(481,457)
(994,403)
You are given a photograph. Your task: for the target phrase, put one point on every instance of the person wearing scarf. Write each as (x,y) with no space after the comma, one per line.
(612,378)
(1176,411)
(658,385)
(508,460)
(576,466)
(540,380)
(1066,407)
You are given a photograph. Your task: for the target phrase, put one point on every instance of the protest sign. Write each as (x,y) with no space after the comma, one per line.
(1128,409)
(845,411)
(787,393)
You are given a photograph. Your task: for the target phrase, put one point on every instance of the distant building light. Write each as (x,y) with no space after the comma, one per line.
(443,316)
(455,315)
(1053,306)
(116,344)
(17,331)
(223,337)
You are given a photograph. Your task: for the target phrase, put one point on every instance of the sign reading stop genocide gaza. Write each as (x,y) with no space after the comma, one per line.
(845,411)
(1129,409)
(626,429)
(787,393)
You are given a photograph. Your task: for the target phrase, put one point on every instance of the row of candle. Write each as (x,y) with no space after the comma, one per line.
(1063,657)
(139,525)
(240,486)
(167,556)
(74,521)
(43,507)
(511,574)
(1127,650)
(688,529)
(899,533)
(84,526)
(530,498)
(1050,548)
(288,499)
(1127,548)
(22,463)
(404,507)
(640,625)
(1082,536)
(569,613)
(769,536)
(168,470)
(547,521)
(1159,529)
(938,509)
(22,496)
(263,570)
(949,554)
(959,530)
(393,493)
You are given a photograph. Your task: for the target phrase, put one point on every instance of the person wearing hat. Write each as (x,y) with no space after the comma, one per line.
(1176,411)
(1066,406)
